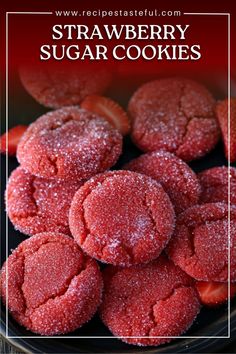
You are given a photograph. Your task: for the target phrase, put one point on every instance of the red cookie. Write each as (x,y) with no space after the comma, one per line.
(69,143)
(176,115)
(200,242)
(122,218)
(214,183)
(157,299)
(56,88)
(52,287)
(36,204)
(175,176)
(226,114)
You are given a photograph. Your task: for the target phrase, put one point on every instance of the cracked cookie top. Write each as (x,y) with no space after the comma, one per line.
(214,183)
(122,218)
(37,205)
(51,287)
(175,176)
(59,87)
(69,143)
(157,299)
(176,115)
(201,242)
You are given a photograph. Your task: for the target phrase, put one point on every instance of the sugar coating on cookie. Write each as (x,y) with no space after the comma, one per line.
(53,288)
(176,115)
(175,176)
(200,243)
(56,88)
(157,299)
(122,218)
(69,143)
(214,183)
(36,205)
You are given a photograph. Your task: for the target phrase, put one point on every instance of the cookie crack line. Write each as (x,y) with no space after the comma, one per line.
(20,287)
(150,214)
(49,81)
(189,119)
(125,247)
(101,251)
(63,291)
(151,314)
(194,257)
(191,238)
(53,163)
(33,200)
(35,214)
(43,220)
(181,110)
(59,125)
(33,191)
(84,221)
(58,295)
(85,224)
(191,235)
(187,130)
(203,223)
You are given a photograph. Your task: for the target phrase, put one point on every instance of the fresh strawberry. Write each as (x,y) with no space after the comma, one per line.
(222,114)
(14,135)
(214,293)
(110,110)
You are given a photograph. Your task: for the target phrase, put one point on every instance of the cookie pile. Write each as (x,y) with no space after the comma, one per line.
(161,230)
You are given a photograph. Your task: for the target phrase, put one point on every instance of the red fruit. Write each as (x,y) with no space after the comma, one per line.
(222,114)
(214,293)
(14,135)
(110,110)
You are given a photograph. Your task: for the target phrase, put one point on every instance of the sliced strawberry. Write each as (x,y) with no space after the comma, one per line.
(222,114)
(214,293)
(110,110)
(14,135)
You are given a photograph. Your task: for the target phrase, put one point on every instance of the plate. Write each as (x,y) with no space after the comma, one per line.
(210,322)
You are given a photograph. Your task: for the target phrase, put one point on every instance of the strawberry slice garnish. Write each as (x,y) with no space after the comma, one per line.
(110,110)
(222,114)
(14,135)
(214,293)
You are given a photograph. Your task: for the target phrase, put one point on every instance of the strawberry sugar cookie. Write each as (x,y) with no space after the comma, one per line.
(200,242)
(56,88)
(122,218)
(37,205)
(226,112)
(214,183)
(176,115)
(175,176)
(157,299)
(53,288)
(69,143)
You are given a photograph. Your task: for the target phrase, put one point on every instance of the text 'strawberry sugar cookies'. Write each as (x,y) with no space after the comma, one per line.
(37,205)
(157,299)
(176,115)
(53,288)
(122,218)
(175,176)
(214,183)
(69,143)
(200,242)
(57,88)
